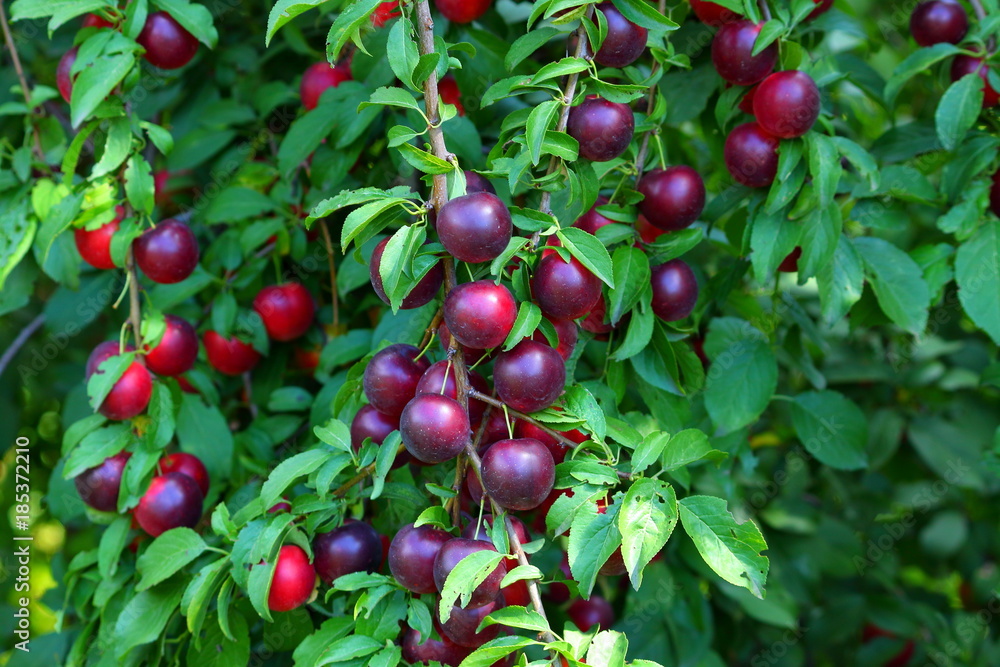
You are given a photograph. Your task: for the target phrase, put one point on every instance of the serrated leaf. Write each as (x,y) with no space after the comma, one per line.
(168,553)
(646,520)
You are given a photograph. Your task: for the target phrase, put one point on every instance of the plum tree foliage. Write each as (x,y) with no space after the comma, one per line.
(527,332)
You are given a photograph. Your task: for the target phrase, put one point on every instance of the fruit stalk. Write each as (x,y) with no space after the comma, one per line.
(135,307)
(16,60)
(334,299)
(425,29)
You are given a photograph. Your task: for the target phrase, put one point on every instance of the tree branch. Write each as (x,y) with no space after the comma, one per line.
(16,60)
(425,29)
(135,307)
(335,299)
(362,475)
(479,396)
(22,338)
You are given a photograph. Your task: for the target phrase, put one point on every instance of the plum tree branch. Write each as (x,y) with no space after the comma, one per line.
(26,333)
(489,400)
(334,298)
(16,61)
(425,29)
(362,475)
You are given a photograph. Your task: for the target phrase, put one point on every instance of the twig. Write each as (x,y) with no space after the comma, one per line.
(640,161)
(248,389)
(135,307)
(977,7)
(22,338)
(425,28)
(362,475)
(764,9)
(582,51)
(431,328)
(489,400)
(335,300)
(16,60)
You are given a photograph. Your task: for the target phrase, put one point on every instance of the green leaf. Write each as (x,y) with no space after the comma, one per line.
(527,44)
(539,122)
(203,431)
(289,470)
(590,252)
(646,521)
(467,575)
(193,17)
(686,447)
(738,396)
(392,97)
(336,434)
(977,266)
(95,83)
(831,428)
(168,553)
(769,33)
(238,203)
(113,542)
(95,447)
(644,14)
(424,161)
(824,165)
(958,110)
(516,617)
(593,538)
(648,451)
(919,61)
(145,616)
(529,316)
(17,232)
(631,275)
(348,648)
(217,649)
(821,230)
(117,144)
(139,185)
(772,238)
(383,462)
(106,376)
(347,27)
(731,549)
(402,51)
(197,595)
(283,12)
(897,281)
(840,281)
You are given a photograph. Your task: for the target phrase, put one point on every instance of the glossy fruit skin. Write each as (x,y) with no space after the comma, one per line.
(529,377)
(167,44)
(176,351)
(588,613)
(186,464)
(441,650)
(461,625)
(440,379)
(412,554)
(604,129)
(95,246)
(625,41)
(963,65)
(456,549)
(384,13)
(391,378)
(995,194)
(475,228)
(435,428)
(939,21)
(173,500)
(477,183)
(787,104)
(674,197)
(480,314)
(592,220)
(614,566)
(64,78)
(99,486)
(470,354)
(567,332)
(557,448)
(287,310)
(791,263)
(319,78)
(423,292)
(294,580)
(354,547)
(752,155)
(564,290)
(518,474)
(731,51)
(130,394)
(713,14)
(167,253)
(229,356)
(675,290)
(96,21)
(370,423)
(450,93)
(462,11)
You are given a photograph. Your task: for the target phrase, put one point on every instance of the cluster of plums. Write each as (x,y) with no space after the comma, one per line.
(174,498)
(946,22)
(168,46)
